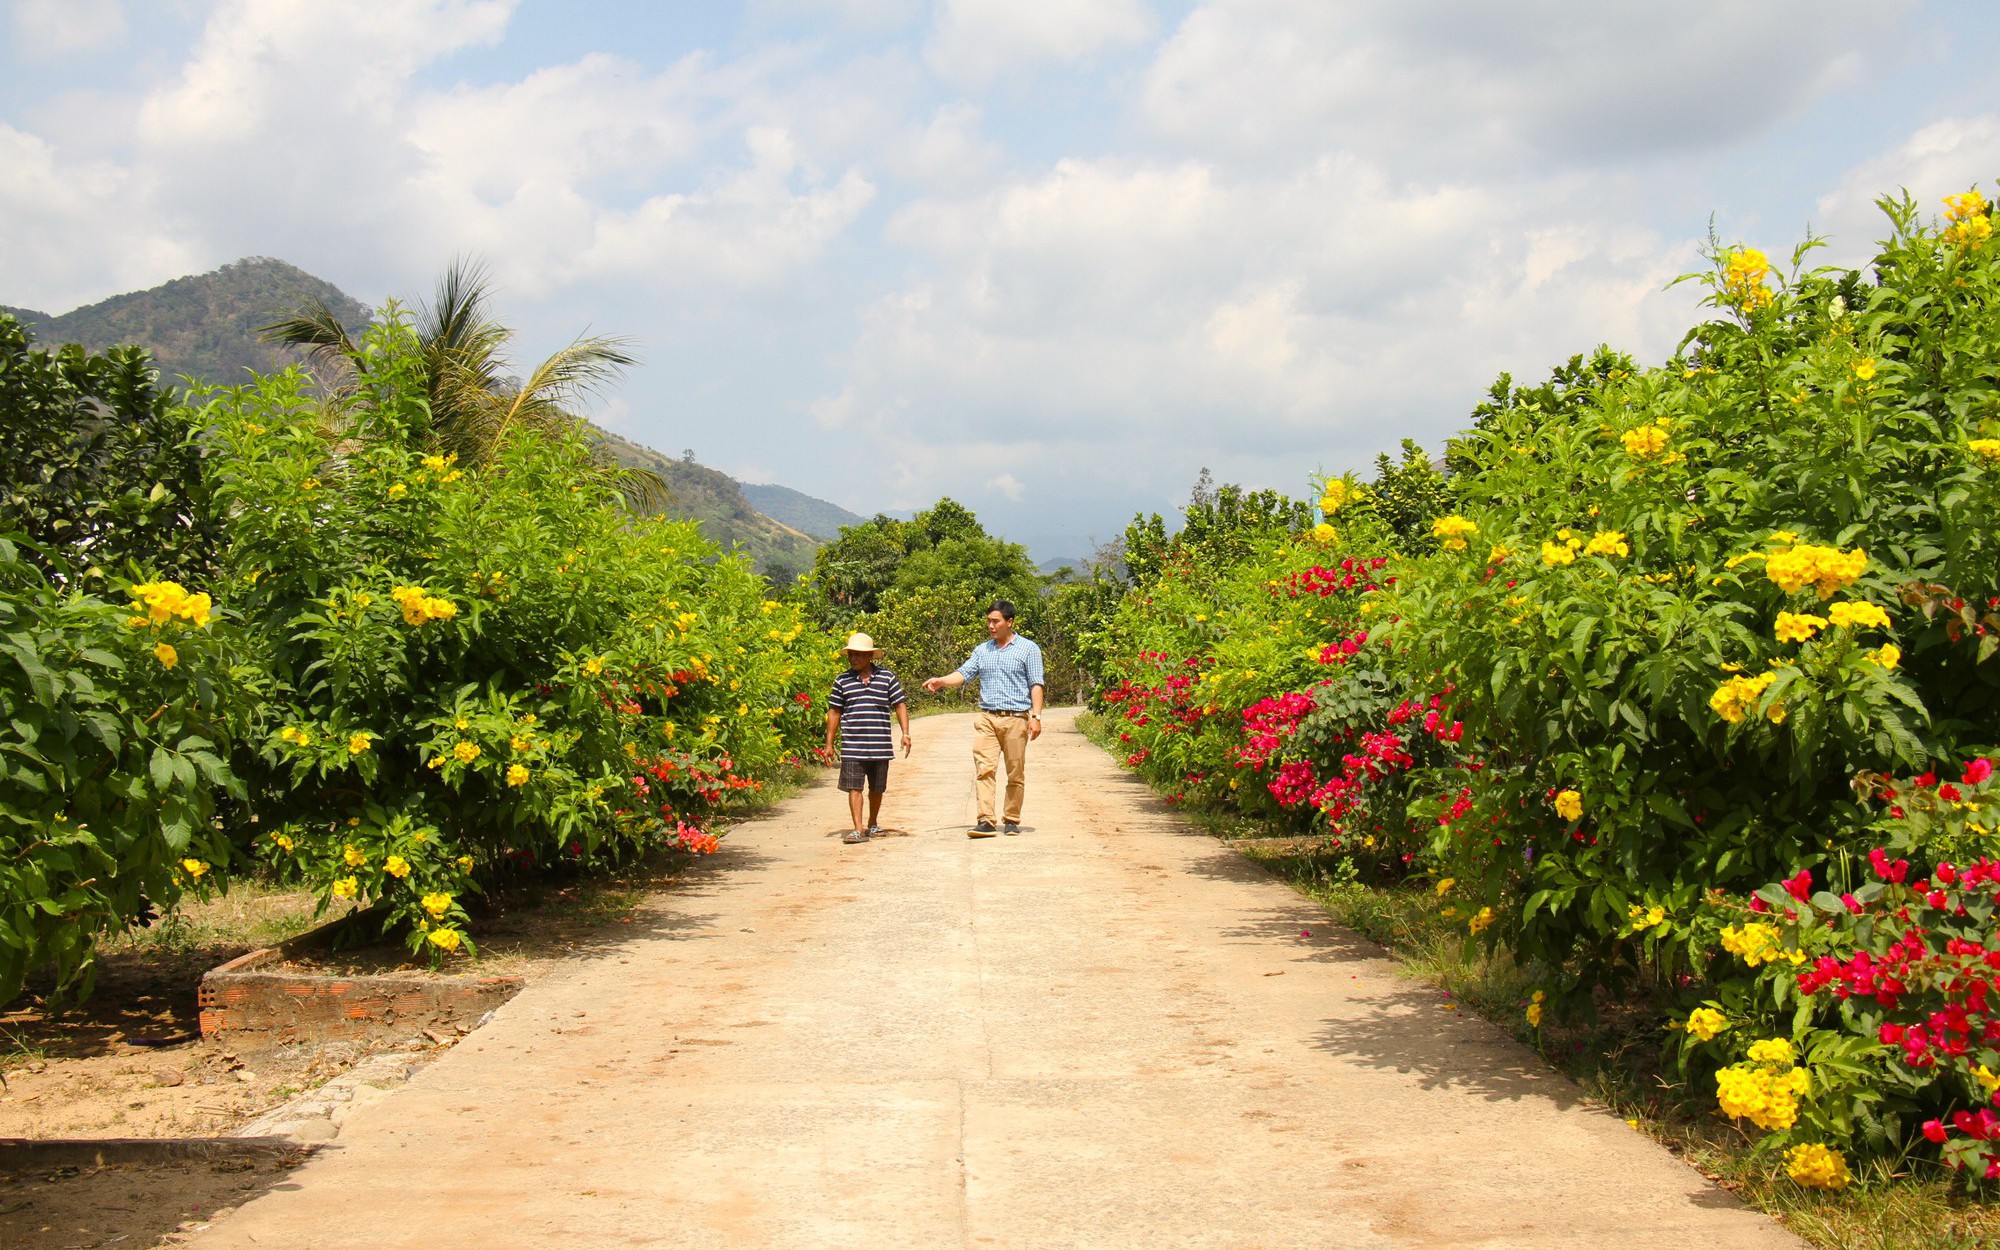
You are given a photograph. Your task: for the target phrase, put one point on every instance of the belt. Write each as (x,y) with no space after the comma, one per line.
(1001,711)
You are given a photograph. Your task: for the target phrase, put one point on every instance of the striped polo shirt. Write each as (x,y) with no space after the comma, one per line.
(1006,674)
(865,709)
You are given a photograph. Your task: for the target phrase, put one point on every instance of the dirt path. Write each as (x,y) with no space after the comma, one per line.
(1108,1032)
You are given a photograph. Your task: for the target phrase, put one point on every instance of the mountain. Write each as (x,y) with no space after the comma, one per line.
(717,500)
(205,326)
(801,511)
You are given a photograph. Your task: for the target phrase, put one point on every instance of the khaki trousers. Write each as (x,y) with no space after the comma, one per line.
(992,738)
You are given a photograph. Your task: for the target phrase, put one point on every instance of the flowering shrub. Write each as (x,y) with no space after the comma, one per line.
(1883,994)
(1688,630)
(488,669)
(116,719)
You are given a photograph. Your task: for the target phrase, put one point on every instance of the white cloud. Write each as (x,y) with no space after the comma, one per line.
(870,16)
(46,27)
(69,235)
(977,41)
(1007,485)
(1138,313)
(1941,159)
(1453,84)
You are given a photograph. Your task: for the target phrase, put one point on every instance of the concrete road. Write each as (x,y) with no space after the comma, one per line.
(1107,1032)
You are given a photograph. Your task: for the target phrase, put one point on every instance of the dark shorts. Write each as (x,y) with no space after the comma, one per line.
(874,772)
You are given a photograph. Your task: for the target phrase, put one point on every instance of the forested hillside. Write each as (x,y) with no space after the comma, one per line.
(204,326)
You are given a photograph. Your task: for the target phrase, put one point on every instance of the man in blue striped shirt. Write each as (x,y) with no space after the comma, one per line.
(858,711)
(1008,668)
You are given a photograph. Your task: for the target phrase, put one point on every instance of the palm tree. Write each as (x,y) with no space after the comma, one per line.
(475,403)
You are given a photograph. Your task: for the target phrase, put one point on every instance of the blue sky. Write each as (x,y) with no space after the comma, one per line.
(1048,258)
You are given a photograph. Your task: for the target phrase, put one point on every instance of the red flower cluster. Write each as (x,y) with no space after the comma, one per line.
(1928,959)
(1351,574)
(1269,723)
(1340,652)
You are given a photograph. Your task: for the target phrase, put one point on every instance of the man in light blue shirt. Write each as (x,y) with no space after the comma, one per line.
(1008,669)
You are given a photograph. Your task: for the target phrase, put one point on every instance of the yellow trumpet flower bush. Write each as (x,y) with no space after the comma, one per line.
(1723,591)
(493,664)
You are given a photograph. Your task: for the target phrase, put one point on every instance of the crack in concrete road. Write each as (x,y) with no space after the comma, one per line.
(1071,1038)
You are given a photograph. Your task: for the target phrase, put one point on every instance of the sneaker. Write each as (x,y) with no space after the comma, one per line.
(1012,827)
(984,829)
(854,837)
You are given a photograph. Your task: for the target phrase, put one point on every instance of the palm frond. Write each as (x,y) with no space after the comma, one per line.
(317,328)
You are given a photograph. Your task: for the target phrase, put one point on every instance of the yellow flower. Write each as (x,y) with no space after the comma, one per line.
(437,905)
(1966,205)
(1500,552)
(1888,655)
(1325,533)
(396,866)
(1827,569)
(346,887)
(517,775)
(594,665)
(1338,492)
(282,841)
(1643,918)
(1554,554)
(353,856)
(196,868)
(1569,806)
(359,743)
(1970,222)
(1534,1014)
(1817,1167)
(1705,1023)
(311,483)
(1754,943)
(1480,922)
(1772,1050)
(434,463)
(445,939)
(1766,1097)
(518,743)
(398,490)
(465,863)
(1987,447)
(1444,886)
(1988,1080)
(1854,614)
(1735,697)
(1743,279)
(420,608)
(1645,441)
(1798,627)
(1864,369)
(1607,543)
(465,752)
(1454,530)
(166,655)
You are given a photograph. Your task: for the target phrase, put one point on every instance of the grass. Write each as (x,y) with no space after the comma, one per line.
(1615,1059)
(251,914)
(17,1048)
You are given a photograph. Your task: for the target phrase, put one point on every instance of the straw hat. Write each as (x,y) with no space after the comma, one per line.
(862,642)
